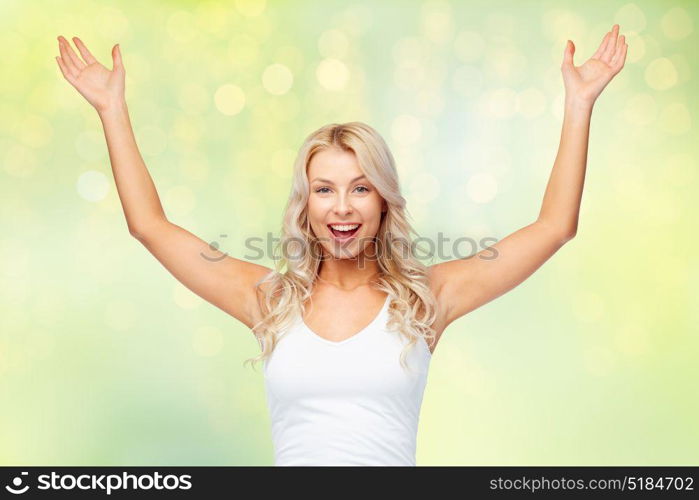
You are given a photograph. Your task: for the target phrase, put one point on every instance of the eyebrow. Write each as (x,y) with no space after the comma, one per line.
(331,182)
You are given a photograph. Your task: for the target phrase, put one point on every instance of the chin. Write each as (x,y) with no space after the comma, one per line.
(345,253)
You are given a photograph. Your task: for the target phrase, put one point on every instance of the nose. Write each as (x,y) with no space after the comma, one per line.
(342,205)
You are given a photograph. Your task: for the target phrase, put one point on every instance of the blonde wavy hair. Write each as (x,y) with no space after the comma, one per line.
(412,305)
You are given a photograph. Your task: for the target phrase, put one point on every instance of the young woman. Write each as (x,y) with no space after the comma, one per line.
(348,329)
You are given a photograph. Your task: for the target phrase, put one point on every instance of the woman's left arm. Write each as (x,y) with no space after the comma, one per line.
(462,285)
(583,84)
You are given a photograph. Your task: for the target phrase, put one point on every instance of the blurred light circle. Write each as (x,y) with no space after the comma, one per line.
(332,74)
(409,76)
(179,200)
(250,8)
(469,46)
(277,79)
(467,81)
(632,338)
(506,64)
(152,140)
(207,341)
(113,24)
(92,185)
(640,109)
(180,26)
(630,192)
(661,74)
(682,66)
(35,131)
(89,145)
(193,98)
(243,50)
(410,49)
(559,25)
(588,306)
(680,169)
(599,360)
(19,161)
(430,102)
(406,129)
(531,103)
(229,99)
(424,188)
(677,24)
(630,18)
(637,48)
(356,19)
(187,132)
(499,103)
(482,187)
(290,56)
(333,43)
(675,119)
(419,213)
(282,162)
(194,166)
(212,18)
(289,107)
(436,20)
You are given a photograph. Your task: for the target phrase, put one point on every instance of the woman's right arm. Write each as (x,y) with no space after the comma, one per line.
(224,281)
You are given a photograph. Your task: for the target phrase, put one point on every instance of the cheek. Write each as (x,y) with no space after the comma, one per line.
(370,210)
(316,211)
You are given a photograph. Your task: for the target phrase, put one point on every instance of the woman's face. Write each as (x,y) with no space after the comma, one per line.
(341,195)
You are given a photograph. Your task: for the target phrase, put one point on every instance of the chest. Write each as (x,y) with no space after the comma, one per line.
(338,321)
(303,367)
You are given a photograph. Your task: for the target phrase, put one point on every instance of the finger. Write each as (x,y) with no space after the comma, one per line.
(568,53)
(617,52)
(67,62)
(64,69)
(620,55)
(87,55)
(602,46)
(116,57)
(611,46)
(74,59)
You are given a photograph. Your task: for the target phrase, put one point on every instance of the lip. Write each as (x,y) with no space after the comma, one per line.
(346,239)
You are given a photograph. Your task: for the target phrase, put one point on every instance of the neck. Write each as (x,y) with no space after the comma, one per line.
(348,273)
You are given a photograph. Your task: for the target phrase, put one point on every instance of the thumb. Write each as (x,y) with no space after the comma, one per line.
(117,64)
(568,53)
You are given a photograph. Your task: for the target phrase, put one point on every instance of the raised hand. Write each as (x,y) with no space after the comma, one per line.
(101,87)
(585,83)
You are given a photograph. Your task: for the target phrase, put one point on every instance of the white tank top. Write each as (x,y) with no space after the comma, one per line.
(345,403)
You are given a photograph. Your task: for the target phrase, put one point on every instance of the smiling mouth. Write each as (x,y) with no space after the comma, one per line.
(343,235)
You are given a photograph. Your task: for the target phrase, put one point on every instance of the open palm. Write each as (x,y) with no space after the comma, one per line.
(586,82)
(100,86)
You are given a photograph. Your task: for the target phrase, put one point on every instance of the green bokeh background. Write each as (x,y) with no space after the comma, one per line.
(106,359)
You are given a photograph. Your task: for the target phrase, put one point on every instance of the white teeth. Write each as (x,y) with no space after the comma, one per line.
(347,227)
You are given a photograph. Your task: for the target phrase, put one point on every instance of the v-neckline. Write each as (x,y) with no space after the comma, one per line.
(313,334)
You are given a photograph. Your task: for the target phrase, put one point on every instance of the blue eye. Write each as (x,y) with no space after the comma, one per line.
(320,190)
